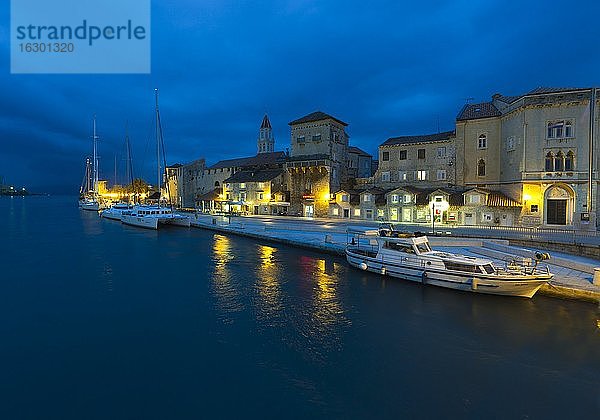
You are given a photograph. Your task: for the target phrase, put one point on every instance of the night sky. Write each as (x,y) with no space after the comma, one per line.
(388,68)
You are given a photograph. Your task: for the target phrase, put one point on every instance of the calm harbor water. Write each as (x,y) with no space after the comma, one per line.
(100,320)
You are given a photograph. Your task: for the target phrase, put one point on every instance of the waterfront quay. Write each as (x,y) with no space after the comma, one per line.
(574,275)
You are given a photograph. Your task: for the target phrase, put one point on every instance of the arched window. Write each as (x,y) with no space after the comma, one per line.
(549,162)
(481,167)
(570,161)
(482,142)
(217,183)
(559,162)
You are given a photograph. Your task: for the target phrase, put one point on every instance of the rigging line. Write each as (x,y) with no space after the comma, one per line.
(164,158)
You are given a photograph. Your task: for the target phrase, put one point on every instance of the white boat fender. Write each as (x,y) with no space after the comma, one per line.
(383,270)
(363,266)
(474,283)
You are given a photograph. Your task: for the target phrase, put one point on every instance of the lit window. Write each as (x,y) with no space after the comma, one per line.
(357,212)
(403,154)
(421,175)
(402,176)
(335,211)
(482,142)
(395,198)
(367,198)
(481,167)
(242,185)
(407,198)
(474,199)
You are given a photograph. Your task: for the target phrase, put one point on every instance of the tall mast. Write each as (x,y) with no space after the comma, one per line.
(95,163)
(157,145)
(129,163)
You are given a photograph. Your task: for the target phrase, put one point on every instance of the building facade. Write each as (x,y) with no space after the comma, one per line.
(540,149)
(318,162)
(425,161)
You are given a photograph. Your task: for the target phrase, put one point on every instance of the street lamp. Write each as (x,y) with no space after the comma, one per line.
(433,218)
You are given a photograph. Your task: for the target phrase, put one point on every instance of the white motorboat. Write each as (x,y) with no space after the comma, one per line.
(410,257)
(116,211)
(151,217)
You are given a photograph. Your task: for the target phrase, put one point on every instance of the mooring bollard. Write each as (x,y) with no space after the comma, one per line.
(596,276)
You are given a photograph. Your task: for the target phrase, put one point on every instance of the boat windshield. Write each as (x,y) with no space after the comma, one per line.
(399,247)
(423,247)
(489,268)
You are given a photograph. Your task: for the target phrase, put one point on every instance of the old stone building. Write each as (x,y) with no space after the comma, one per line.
(318,162)
(422,161)
(540,149)
(209,183)
(360,163)
(256,192)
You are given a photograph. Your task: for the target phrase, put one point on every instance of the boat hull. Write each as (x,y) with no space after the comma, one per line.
(143,222)
(92,206)
(154,222)
(518,285)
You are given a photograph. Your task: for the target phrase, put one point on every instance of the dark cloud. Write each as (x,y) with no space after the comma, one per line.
(388,68)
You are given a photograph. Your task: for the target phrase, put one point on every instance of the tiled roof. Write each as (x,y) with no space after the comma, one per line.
(210,196)
(542,90)
(496,198)
(254,176)
(265,122)
(476,111)
(259,159)
(316,116)
(506,99)
(357,151)
(428,138)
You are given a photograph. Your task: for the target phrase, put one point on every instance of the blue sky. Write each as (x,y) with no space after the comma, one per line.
(388,68)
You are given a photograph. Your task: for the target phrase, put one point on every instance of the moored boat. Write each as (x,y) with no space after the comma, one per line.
(410,257)
(115,211)
(151,217)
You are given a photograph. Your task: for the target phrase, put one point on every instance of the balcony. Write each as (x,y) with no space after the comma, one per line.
(555,176)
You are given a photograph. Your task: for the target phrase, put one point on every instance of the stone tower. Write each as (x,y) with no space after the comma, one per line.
(266,141)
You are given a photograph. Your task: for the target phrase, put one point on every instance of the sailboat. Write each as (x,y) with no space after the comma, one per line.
(152,216)
(89,197)
(115,211)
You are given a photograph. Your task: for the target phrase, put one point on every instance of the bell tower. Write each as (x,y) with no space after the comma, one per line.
(266,141)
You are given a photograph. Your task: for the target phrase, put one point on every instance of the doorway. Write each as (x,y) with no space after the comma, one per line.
(556,211)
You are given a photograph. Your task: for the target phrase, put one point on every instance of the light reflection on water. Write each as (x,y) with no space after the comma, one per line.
(195,321)
(269,300)
(223,282)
